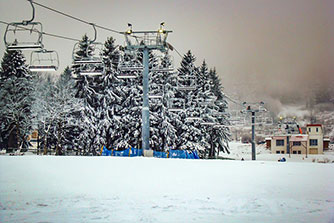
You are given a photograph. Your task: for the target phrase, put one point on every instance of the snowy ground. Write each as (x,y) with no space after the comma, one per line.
(122,189)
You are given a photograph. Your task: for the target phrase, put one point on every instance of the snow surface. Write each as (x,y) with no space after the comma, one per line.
(123,189)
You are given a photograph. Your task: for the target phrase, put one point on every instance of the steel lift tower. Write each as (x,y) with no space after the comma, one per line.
(253,108)
(146,41)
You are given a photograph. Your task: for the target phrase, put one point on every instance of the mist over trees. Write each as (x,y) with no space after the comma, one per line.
(77,113)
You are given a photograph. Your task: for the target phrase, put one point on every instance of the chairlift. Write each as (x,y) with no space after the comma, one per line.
(176,105)
(163,67)
(128,69)
(207,101)
(155,91)
(133,64)
(91,63)
(44,60)
(193,119)
(186,83)
(89,69)
(25,35)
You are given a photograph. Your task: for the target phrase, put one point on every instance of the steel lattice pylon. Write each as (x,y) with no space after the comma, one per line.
(145,41)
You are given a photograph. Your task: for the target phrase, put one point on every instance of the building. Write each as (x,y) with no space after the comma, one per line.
(310,143)
(316,138)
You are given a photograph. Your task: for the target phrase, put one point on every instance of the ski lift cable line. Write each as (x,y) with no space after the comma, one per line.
(232,100)
(76,18)
(45,33)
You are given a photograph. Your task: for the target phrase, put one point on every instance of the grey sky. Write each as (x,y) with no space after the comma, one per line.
(263,48)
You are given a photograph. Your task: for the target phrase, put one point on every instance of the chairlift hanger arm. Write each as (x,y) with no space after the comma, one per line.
(95,33)
(25,22)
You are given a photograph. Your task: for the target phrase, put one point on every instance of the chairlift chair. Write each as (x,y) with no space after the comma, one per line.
(128,69)
(44,60)
(20,36)
(163,67)
(90,64)
(186,83)
(25,35)
(176,105)
(156,91)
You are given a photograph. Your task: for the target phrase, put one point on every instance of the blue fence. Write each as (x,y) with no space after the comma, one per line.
(131,152)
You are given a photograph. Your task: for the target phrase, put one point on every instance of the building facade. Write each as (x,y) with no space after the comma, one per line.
(310,143)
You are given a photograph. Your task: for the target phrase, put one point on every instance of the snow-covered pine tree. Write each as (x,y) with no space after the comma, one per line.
(15,99)
(122,98)
(221,135)
(89,89)
(170,120)
(113,97)
(161,130)
(190,137)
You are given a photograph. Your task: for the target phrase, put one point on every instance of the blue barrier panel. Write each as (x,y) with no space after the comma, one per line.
(178,154)
(121,153)
(190,155)
(106,152)
(159,154)
(136,152)
(196,156)
(181,154)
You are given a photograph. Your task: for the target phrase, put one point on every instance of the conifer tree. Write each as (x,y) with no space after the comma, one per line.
(15,100)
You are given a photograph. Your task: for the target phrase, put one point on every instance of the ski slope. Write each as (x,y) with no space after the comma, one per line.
(122,189)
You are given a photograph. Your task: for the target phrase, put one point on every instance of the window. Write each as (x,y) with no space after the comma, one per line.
(294,152)
(309,129)
(282,152)
(280,142)
(278,152)
(313,142)
(299,152)
(317,129)
(297,143)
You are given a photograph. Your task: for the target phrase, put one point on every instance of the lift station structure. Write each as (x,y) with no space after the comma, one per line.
(145,41)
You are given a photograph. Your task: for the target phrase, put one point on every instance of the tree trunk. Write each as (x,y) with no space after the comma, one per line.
(45,146)
(58,138)
(17,136)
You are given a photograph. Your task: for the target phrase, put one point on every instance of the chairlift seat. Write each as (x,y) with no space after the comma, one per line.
(129,68)
(185,88)
(175,109)
(41,68)
(91,73)
(25,47)
(155,96)
(161,69)
(126,76)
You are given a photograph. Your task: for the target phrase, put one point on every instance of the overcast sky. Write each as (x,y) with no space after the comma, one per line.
(263,48)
